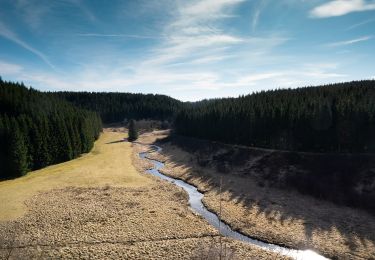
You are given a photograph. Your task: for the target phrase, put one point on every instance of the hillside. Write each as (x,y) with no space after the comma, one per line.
(345,179)
(258,199)
(115,107)
(332,118)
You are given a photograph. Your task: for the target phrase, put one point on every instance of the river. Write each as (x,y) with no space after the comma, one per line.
(196,205)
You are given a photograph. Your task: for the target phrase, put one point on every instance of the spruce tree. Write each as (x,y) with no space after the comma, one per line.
(133,133)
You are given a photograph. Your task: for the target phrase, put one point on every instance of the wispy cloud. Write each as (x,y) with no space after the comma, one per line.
(187,49)
(360,24)
(32,13)
(313,72)
(211,58)
(136,36)
(8,34)
(9,68)
(193,31)
(256,15)
(208,9)
(349,42)
(36,13)
(84,9)
(341,7)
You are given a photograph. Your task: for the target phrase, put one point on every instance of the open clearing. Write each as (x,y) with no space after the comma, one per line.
(100,206)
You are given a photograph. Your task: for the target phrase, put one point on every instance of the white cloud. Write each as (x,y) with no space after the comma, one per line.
(211,58)
(187,59)
(255,19)
(193,31)
(84,9)
(198,47)
(360,24)
(136,36)
(252,79)
(8,34)
(199,30)
(284,78)
(32,12)
(9,68)
(37,13)
(256,15)
(315,71)
(349,42)
(191,85)
(208,8)
(341,7)
(192,43)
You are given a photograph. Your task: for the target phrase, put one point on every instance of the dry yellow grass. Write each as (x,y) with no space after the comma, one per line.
(270,214)
(100,207)
(109,163)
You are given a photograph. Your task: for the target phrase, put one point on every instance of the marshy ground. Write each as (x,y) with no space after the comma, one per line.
(102,206)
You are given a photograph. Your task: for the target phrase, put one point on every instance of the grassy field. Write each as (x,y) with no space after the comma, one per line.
(102,206)
(109,163)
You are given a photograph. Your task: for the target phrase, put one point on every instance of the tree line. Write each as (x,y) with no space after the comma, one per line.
(38,129)
(115,107)
(330,118)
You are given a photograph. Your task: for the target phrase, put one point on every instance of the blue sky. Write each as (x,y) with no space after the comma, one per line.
(187,49)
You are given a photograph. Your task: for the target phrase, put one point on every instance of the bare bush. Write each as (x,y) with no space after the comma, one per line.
(213,251)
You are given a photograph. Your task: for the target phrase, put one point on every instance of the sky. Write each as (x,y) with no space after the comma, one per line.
(187,49)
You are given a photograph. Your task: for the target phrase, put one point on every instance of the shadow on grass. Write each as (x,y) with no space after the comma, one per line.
(255,185)
(118,141)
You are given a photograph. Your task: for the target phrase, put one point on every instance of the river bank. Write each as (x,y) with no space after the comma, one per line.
(275,215)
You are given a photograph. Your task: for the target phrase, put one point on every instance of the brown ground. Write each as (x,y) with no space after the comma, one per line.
(110,221)
(274,215)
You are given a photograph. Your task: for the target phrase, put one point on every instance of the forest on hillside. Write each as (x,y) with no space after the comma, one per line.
(330,118)
(115,107)
(38,129)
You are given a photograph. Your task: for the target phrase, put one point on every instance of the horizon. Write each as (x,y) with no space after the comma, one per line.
(187,101)
(189,51)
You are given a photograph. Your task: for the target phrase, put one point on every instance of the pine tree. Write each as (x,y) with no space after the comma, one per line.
(133,133)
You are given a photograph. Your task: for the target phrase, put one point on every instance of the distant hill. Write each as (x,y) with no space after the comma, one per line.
(115,107)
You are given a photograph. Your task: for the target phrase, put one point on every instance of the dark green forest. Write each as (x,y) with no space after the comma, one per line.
(38,129)
(115,107)
(330,118)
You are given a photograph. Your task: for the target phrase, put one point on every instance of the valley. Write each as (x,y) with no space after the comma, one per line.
(194,130)
(270,214)
(102,205)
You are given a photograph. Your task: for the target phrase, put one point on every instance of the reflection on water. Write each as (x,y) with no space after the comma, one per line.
(195,200)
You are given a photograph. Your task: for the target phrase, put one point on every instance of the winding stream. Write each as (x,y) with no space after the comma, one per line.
(195,201)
